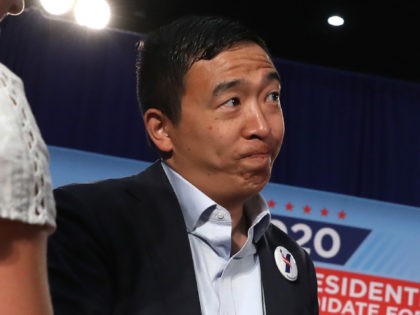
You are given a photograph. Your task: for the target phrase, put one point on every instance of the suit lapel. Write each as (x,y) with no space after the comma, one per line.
(273,282)
(281,295)
(167,242)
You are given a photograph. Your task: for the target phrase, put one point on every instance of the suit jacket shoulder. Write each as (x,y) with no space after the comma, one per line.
(121,248)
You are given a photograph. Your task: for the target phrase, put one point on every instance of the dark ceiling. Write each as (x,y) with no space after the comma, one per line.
(378,37)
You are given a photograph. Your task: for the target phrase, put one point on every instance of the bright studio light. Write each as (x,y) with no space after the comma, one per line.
(335,20)
(92,13)
(57,7)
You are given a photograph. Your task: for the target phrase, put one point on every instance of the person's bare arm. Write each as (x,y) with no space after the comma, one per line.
(23,272)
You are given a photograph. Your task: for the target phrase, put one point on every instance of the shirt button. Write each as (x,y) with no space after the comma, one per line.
(220,215)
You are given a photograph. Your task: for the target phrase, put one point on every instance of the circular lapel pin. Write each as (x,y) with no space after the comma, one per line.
(286,263)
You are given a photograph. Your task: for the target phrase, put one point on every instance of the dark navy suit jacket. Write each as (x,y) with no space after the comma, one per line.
(121,248)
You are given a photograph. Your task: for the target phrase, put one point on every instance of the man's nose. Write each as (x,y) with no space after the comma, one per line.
(257,125)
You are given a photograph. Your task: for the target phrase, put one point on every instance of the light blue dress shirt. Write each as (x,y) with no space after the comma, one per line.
(227,285)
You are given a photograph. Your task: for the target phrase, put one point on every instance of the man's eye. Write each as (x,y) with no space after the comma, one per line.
(232,102)
(274,97)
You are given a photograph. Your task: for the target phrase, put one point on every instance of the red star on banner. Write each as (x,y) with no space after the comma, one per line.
(324,212)
(271,203)
(342,214)
(289,206)
(307,209)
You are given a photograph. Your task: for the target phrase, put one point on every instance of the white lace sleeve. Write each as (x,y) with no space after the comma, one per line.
(25,181)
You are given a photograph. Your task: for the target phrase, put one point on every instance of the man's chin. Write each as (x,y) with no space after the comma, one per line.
(257,178)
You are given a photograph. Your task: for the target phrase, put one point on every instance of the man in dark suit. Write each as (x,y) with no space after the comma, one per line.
(191,234)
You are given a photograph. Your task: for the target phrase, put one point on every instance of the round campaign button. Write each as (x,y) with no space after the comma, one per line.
(286,263)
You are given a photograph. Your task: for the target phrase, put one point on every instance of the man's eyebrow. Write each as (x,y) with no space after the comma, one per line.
(221,87)
(273,76)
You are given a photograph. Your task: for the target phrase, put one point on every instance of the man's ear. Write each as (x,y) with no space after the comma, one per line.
(156,124)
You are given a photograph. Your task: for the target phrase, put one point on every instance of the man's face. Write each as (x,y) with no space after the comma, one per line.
(13,7)
(231,125)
